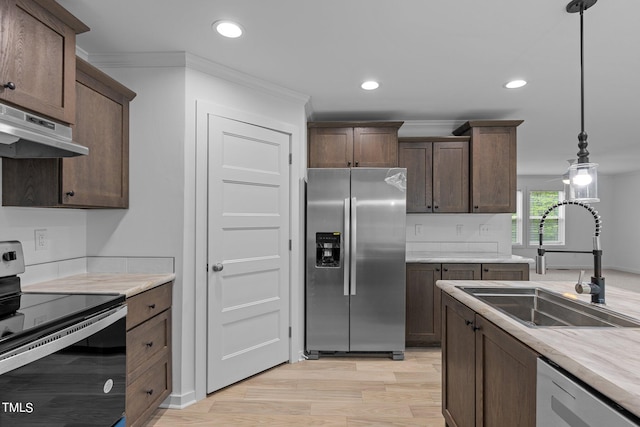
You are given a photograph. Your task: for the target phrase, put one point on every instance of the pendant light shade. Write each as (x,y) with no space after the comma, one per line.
(583,175)
(583,182)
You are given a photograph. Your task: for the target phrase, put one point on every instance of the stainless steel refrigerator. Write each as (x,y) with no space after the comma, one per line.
(355,278)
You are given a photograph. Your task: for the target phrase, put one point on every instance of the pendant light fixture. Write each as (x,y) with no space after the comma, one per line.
(583,174)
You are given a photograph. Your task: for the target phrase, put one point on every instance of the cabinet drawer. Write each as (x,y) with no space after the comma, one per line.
(147,340)
(147,392)
(148,304)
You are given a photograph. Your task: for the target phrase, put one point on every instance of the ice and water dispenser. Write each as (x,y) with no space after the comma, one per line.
(328,249)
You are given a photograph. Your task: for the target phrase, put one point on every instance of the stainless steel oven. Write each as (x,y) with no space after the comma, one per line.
(62,356)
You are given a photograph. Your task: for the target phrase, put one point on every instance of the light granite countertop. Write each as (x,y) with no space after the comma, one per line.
(465,257)
(608,359)
(128,284)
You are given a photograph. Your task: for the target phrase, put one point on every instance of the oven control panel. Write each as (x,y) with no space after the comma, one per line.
(11,258)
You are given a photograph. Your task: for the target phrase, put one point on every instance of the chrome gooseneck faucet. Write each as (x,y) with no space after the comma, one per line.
(596,287)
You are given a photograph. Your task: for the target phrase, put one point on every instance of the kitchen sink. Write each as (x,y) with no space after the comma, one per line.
(538,307)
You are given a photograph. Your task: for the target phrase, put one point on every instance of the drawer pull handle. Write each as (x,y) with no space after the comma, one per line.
(152,306)
(149,344)
(9,85)
(149,392)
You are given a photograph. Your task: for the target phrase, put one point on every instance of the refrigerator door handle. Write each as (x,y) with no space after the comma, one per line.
(346,252)
(354,227)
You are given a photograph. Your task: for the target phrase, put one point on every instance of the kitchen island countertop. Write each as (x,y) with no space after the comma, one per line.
(128,284)
(465,257)
(608,359)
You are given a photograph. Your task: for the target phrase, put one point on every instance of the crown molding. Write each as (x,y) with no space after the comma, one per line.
(194,62)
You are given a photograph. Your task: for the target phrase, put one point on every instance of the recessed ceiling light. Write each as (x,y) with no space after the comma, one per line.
(514,84)
(370,85)
(228,29)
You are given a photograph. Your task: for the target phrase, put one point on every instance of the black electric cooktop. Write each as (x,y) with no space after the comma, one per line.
(28,316)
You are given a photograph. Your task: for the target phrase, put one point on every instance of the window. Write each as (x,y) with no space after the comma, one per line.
(516,221)
(539,202)
(536,204)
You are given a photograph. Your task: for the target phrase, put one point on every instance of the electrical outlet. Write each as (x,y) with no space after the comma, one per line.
(459,229)
(42,239)
(418,229)
(485,229)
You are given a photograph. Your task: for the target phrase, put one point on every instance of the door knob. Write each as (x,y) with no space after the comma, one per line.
(218,267)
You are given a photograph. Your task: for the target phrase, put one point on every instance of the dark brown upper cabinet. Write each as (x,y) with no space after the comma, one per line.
(98,180)
(38,55)
(437,173)
(353,144)
(493,157)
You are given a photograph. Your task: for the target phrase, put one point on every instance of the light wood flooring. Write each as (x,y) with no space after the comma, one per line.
(331,391)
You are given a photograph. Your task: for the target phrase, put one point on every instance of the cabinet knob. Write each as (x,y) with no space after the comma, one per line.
(70,193)
(356,164)
(149,344)
(149,392)
(349,164)
(476,207)
(428,206)
(437,269)
(445,269)
(486,270)
(151,306)
(218,267)
(436,207)
(9,85)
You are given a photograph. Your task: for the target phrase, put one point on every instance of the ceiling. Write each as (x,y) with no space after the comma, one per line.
(438,61)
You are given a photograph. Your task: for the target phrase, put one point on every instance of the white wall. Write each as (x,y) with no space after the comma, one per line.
(580,225)
(164,172)
(65,228)
(623,225)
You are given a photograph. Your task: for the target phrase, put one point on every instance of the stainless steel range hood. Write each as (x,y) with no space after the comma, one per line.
(27,136)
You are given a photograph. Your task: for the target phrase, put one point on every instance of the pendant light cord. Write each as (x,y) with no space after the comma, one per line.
(583,154)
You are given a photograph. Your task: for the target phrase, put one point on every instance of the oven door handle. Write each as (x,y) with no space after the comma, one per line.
(56,341)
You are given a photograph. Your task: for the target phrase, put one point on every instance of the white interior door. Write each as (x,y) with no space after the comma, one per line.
(248,247)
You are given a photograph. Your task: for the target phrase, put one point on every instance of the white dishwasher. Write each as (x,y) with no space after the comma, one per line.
(564,401)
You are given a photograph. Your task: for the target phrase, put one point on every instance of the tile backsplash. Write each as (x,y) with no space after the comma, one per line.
(490,233)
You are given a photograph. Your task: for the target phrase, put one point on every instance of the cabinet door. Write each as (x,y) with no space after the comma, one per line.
(423,305)
(458,364)
(100,179)
(493,169)
(417,157)
(330,147)
(461,271)
(38,56)
(505,271)
(375,147)
(451,176)
(505,378)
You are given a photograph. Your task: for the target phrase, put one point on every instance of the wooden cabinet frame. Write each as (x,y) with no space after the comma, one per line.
(488,376)
(437,173)
(352,144)
(493,157)
(38,48)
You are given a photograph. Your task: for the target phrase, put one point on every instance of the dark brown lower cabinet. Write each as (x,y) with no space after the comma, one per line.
(423,299)
(503,271)
(423,296)
(488,377)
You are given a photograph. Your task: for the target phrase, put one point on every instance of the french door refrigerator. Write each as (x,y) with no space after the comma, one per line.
(355,276)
